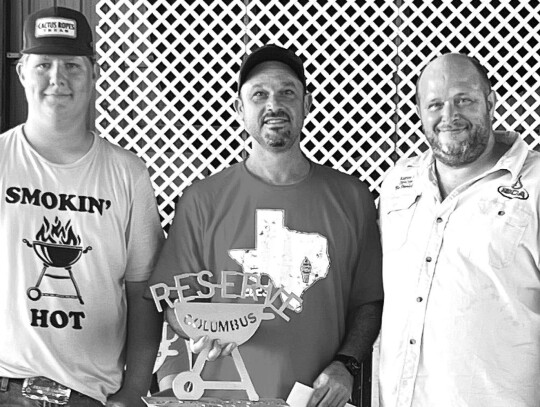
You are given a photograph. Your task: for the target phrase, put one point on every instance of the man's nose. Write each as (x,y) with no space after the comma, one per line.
(57,74)
(272,103)
(448,111)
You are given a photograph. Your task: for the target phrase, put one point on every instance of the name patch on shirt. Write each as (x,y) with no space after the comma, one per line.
(405,182)
(56,27)
(515,191)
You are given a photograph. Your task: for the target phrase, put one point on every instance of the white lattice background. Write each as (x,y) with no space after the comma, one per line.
(502,35)
(169,70)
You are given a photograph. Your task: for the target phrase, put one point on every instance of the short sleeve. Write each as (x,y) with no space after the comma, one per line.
(182,252)
(144,234)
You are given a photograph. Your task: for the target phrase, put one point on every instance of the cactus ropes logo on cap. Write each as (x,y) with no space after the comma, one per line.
(56,27)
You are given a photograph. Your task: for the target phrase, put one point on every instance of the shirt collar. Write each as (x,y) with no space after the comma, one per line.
(516,155)
(425,166)
(511,161)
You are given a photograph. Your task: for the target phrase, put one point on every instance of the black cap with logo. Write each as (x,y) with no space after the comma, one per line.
(57,31)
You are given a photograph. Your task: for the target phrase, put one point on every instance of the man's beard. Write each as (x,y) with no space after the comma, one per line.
(278,140)
(457,154)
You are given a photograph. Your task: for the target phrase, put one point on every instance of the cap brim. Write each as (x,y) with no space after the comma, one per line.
(55,50)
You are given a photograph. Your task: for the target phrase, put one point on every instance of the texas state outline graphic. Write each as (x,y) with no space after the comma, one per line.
(293,260)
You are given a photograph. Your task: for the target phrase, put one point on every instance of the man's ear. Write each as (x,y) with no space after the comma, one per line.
(239,107)
(308,100)
(95,71)
(491,101)
(20,73)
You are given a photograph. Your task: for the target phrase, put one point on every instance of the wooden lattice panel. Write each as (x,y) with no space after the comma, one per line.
(169,70)
(502,35)
(167,86)
(349,49)
(347,46)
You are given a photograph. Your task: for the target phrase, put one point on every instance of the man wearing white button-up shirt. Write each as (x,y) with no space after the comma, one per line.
(460,230)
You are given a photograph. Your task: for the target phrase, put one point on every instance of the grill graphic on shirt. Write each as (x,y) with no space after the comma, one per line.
(57,246)
(293,260)
(516,191)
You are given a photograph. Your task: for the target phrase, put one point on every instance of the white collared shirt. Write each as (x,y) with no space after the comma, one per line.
(461,320)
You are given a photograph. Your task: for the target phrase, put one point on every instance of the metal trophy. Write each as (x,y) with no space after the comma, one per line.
(228,322)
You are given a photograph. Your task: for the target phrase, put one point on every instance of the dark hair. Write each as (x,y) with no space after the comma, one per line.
(482,71)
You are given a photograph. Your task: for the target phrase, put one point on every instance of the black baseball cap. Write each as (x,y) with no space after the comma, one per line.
(271,52)
(57,31)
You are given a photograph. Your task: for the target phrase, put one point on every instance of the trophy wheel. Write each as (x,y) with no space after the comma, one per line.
(188,386)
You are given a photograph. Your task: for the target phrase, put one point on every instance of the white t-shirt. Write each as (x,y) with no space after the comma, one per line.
(70,235)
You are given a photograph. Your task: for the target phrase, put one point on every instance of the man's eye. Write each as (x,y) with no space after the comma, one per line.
(44,65)
(288,92)
(74,66)
(258,94)
(434,106)
(463,101)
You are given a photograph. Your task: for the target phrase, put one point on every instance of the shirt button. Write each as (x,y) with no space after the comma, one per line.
(439,220)
(428,259)
(412,341)
(419,299)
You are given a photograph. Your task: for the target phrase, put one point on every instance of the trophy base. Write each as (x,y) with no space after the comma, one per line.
(211,402)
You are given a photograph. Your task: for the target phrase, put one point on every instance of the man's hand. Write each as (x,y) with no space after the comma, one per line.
(170,317)
(333,387)
(125,399)
(215,349)
(144,325)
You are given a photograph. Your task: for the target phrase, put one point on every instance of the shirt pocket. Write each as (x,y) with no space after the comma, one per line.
(494,234)
(398,215)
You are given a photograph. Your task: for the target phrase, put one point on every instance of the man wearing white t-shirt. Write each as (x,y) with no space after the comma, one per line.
(79,232)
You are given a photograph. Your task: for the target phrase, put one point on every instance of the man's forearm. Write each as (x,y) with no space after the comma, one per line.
(143,337)
(363,325)
(334,386)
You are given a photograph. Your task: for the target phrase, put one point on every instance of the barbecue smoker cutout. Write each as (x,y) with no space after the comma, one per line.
(57,246)
(228,322)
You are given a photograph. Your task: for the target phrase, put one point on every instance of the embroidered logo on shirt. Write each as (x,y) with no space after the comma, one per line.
(515,191)
(405,182)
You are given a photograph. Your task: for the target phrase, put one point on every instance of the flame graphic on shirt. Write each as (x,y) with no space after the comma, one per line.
(57,233)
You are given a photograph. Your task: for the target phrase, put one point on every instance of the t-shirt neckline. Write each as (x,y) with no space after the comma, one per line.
(261,181)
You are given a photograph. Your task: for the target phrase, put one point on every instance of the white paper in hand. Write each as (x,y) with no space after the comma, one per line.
(300,395)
